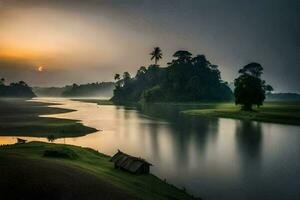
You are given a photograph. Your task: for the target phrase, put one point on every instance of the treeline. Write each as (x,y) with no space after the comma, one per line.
(104,89)
(19,90)
(186,78)
(283,97)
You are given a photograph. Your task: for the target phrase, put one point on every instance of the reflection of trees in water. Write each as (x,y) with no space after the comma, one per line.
(249,139)
(185,130)
(192,130)
(155,145)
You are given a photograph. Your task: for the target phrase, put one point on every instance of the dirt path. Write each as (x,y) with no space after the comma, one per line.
(23,178)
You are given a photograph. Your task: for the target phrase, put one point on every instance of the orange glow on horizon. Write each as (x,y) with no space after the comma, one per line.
(19,54)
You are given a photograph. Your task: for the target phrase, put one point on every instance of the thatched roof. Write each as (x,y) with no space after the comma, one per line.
(128,162)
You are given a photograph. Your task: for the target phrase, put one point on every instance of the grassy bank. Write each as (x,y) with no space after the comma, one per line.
(84,160)
(19,117)
(275,112)
(97,101)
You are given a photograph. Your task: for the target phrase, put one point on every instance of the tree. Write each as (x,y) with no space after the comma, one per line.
(185,79)
(200,60)
(182,56)
(141,72)
(156,54)
(249,88)
(126,77)
(117,77)
(2,81)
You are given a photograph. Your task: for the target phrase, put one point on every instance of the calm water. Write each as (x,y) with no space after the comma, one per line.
(211,158)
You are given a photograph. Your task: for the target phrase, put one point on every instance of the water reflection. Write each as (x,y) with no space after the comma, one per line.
(212,158)
(249,138)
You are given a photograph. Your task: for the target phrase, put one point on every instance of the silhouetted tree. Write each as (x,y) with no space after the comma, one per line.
(90,89)
(126,77)
(182,56)
(117,77)
(249,88)
(141,72)
(156,54)
(2,81)
(19,89)
(185,79)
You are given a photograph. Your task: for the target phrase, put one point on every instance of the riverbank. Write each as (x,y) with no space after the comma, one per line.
(92,100)
(20,117)
(82,174)
(275,112)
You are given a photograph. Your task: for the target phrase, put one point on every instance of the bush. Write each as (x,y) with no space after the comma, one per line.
(60,153)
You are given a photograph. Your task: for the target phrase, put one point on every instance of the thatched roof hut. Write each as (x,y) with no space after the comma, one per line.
(130,163)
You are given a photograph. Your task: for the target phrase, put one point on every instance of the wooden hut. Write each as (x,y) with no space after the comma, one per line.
(21,141)
(130,163)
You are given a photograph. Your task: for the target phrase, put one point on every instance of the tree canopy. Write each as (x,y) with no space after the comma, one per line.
(18,89)
(186,78)
(90,89)
(249,88)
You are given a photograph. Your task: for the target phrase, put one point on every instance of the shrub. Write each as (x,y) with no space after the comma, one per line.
(61,152)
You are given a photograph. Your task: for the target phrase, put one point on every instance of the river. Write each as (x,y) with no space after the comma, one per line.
(211,158)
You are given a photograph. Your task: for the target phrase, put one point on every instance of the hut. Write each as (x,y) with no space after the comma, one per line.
(130,163)
(21,141)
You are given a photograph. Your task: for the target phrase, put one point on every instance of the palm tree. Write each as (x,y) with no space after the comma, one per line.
(156,54)
(117,77)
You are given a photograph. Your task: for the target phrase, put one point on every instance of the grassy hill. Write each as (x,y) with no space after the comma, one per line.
(82,173)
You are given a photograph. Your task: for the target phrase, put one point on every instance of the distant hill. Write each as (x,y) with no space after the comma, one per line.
(16,90)
(283,97)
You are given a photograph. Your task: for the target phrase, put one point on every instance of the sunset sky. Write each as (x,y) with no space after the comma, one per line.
(58,42)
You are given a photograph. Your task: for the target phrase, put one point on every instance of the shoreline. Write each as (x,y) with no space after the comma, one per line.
(20,117)
(86,161)
(287,113)
(279,112)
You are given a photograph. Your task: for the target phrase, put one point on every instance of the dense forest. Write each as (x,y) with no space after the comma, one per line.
(283,97)
(18,90)
(186,78)
(103,89)
(50,91)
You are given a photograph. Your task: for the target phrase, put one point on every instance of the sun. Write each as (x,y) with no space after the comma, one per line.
(40,68)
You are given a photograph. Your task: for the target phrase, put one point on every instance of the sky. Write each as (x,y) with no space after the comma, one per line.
(59,42)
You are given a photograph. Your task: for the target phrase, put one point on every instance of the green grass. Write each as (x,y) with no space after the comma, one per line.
(97,101)
(19,117)
(140,186)
(275,112)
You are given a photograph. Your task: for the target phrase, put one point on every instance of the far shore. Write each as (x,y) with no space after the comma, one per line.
(20,117)
(282,112)
(274,112)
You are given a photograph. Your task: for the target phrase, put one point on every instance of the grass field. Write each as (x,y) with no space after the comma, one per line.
(86,161)
(19,117)
(275,112)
